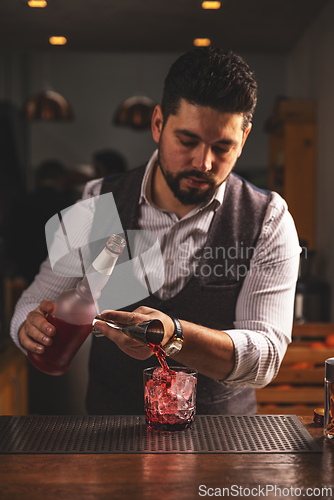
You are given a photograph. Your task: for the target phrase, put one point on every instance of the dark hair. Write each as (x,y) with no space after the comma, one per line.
(210,77)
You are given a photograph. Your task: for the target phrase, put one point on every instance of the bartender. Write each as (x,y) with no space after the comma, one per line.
(230,252)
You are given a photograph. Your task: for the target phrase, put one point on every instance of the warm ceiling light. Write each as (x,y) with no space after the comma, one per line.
(58,40)
(47,106)
(37,3)
(202,42)
(135,112)
(211,5)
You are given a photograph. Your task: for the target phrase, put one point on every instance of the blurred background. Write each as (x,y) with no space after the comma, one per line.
(76,107)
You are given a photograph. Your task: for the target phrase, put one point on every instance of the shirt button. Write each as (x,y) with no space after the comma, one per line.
(169,262)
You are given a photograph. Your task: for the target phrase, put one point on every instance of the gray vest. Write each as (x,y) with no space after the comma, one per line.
(115,379)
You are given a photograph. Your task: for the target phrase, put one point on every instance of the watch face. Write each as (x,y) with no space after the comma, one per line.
(174,347)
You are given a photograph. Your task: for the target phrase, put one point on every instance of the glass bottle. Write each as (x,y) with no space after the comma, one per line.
(329,399)
(75,311)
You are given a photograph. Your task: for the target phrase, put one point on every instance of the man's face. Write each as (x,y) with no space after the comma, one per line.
(198,148)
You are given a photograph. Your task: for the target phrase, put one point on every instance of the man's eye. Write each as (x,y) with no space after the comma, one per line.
(220,150)
(188,143)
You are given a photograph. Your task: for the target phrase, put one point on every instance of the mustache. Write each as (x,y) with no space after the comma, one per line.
(203,176)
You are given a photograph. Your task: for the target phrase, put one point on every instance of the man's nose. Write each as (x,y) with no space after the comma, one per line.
(203,158)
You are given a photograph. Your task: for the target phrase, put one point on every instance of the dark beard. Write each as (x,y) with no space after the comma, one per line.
(190,196)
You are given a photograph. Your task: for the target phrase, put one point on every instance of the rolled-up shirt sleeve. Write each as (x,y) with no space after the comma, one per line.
(264,311)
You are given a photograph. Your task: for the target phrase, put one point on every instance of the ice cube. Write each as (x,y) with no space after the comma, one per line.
(157,373)
(182,386)
(162,377)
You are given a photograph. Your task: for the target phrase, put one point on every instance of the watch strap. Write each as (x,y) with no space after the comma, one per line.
(174,344)
(178,330)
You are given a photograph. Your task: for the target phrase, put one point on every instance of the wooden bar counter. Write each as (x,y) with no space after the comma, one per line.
(170,476)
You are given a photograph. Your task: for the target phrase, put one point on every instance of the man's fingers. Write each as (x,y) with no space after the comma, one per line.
(46,307)
(40,333)
(127,344)
(36,321)
(35,334)
(27,342)
(123,317)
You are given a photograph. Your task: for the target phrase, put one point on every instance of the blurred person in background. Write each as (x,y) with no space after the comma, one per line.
(50,196)
(107,162)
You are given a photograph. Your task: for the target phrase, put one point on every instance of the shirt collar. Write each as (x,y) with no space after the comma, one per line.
(145,192)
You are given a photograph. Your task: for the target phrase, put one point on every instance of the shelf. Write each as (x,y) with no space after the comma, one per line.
(292,161)
(13,380)
(299,386)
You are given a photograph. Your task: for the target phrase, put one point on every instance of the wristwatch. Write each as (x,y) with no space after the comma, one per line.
(174,344)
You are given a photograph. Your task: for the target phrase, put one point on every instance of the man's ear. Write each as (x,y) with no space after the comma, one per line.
(246,133)
(157,123)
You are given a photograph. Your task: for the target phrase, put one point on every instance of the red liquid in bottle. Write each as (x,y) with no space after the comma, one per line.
(56,359)
(75,310)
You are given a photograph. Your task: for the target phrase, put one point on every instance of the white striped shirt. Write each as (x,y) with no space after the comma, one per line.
(264,310)
(180,239)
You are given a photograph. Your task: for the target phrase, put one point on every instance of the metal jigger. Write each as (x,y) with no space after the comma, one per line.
(151,331)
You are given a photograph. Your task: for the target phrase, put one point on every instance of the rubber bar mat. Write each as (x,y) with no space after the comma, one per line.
(129,434)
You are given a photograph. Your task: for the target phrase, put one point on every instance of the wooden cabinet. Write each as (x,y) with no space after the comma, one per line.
(13,380)
(292,160)
(299,386)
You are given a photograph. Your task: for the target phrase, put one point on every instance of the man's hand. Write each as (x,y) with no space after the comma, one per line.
(36,332)
(209,351)
(128,345)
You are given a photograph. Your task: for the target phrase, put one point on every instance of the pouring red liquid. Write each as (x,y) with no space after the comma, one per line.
(160,354)
(169,395)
